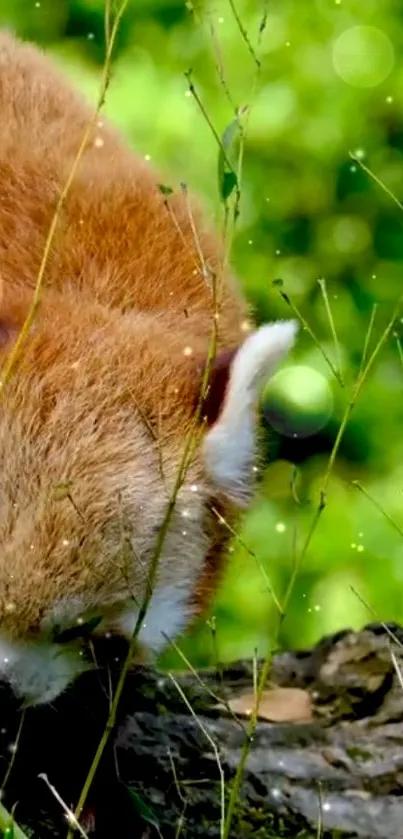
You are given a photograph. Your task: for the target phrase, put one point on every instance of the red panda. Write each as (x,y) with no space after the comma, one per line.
(94,417)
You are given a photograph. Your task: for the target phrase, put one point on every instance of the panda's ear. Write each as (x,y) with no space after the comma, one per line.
(229,446)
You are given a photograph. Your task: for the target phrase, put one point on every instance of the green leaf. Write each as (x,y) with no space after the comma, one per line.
(9,831)
(143,809)
(227,178)
(229,183)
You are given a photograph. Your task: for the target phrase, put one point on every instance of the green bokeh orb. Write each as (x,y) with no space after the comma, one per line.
(297,401)
(363,56)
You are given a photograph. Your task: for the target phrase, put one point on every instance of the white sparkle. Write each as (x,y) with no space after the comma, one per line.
(98,142)
(147,157)
(194,488)
(187,351)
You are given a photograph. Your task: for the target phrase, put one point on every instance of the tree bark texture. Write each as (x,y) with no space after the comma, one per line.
(168,761)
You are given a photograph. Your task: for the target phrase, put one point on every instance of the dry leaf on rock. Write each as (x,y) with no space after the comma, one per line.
(276,705)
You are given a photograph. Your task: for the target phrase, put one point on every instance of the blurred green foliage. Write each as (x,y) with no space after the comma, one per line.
(331,83)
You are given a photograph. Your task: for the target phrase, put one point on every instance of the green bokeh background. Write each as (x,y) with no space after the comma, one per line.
(331,83)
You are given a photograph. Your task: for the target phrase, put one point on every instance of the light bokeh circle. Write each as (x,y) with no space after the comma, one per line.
(363,56)
(298,401)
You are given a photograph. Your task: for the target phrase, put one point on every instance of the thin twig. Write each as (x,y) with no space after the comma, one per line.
(373,614)
(322,286)
(215,750)
(244,33)
(252,554)
(378,506)
(308,329)
(368,335)
(14,753)
(376,179)
(71,818)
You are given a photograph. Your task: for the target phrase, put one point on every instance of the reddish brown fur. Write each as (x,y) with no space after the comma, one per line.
(124,295)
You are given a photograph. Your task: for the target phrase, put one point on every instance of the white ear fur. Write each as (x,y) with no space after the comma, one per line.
(229,448)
